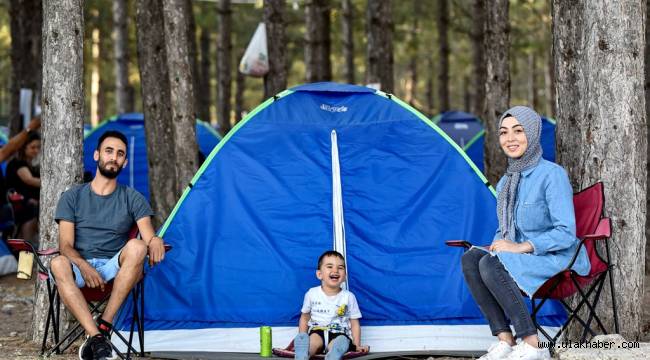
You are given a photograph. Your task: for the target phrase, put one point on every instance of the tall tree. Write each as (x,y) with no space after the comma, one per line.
(124,95)
(181,80)
(95,81)
(240,84)
(63,118)
(156,93)
(348,40)
(443,54)
(193,53)
(26,21)
(429,86)
(276,79)
(318,66)
(413,49)
(533,98)
(224,67)
(497,84)
(647,114)
(379,53)
(602,131)
(478,57)
(204,94)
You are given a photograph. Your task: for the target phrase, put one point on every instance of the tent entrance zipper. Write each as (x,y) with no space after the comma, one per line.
(337,204)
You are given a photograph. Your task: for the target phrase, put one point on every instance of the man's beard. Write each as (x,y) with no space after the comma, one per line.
(111,174)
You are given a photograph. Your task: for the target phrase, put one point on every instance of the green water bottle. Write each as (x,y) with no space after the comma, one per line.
(266,339)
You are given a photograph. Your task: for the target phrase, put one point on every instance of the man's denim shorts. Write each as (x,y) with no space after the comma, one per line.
(107,269)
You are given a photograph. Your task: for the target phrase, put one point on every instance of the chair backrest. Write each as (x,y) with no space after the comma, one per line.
(588,205)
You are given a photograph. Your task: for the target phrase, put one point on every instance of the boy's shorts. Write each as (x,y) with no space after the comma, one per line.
(107,269)
(331,336)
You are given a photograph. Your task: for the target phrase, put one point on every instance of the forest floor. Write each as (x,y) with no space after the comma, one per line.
(16,308)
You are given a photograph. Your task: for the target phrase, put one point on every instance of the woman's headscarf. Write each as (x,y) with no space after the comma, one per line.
(532,124)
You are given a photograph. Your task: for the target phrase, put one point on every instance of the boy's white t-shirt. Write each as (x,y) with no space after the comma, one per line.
(333,312)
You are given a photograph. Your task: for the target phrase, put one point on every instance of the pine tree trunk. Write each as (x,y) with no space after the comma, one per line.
(154,78)
(63,118)
(193,53)
(179,64)
(276,79)
(478,57)
(429,87)
(318,66)
(240,84)
(123,93)
(204,94)
(533,99)
(95,76)
(602,131)
(647,114)
(443,54)
(26,21)
(497,85)
(348,40)
(224,65)
(412,87)
(379,54)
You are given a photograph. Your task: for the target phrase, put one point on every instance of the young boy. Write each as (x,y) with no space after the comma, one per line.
(330,315)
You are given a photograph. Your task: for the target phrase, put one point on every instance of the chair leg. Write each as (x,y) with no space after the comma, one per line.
(50,315)
(610,270)
(141,323)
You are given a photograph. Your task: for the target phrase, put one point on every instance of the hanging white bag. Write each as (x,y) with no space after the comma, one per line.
(255,61)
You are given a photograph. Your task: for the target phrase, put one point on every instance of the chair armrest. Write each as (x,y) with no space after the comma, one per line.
(18,245)
(603,230)
(459,243)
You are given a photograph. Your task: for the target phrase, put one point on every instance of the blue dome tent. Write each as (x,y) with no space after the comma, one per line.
(132,126)
(460,126)
(318,167)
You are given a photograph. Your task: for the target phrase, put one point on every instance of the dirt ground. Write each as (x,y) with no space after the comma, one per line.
(15,318)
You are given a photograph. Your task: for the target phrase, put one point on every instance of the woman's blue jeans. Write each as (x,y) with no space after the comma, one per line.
(496,294)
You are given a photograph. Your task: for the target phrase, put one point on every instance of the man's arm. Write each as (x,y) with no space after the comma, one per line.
(153,242)
(66,248)
(18,140)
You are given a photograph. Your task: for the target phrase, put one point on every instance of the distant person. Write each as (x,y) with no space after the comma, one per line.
(23,176)
(94,223)
(535,240)
(330,315)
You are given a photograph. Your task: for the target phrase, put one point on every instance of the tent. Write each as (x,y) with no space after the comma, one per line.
(132,126)
(318,167)
(8,264)
(460,126)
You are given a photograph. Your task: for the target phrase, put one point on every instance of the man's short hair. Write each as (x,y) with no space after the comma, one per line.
(327,254)
(112,133)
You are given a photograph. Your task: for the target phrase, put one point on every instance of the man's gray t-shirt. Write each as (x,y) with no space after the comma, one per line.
(101,223)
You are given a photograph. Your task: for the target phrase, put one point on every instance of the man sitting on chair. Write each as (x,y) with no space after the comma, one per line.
(94,222)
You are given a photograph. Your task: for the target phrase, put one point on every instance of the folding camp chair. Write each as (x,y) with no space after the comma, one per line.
(590,227)
(95,298)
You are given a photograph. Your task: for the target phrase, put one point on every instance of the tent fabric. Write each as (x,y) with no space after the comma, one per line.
(474,148)
(248,231)
(460,126)
(132,126)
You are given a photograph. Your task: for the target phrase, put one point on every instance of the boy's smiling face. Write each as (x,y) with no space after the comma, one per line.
(331,273)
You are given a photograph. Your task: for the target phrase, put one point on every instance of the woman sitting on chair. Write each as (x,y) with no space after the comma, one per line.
(535,240)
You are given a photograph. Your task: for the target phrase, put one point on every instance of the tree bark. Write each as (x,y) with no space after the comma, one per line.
(379,53)
(26,22)
(412,84)
(204,94)
(193,53)
(348,40)
(156,94)
(429,87)
(647,114)
(224,65)
(239,95)
(179,64)
(602,130)
(443,54)
(478,57)
(497,85)
(276,79)
(318,66)
(123,92)
(63,117)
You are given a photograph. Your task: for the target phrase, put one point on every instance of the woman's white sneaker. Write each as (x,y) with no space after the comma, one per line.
(497,351)
(524,351)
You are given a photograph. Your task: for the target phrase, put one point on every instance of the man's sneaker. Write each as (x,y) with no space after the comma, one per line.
(497,351)
(85,351)
(524,351)
(102,349)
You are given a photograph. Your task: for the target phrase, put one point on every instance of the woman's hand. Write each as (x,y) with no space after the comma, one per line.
(511,246)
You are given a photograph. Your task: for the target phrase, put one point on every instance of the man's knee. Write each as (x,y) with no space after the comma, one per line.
(61,267)
(135,250)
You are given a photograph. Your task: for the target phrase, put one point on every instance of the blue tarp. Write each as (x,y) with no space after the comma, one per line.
(132,126)
(247,235)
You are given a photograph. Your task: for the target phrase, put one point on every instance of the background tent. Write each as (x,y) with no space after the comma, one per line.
(8,263)
(318,167)
(132,126)
(468,132)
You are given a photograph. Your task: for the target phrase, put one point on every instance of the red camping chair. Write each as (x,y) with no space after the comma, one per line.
(95,298)
(590,227)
